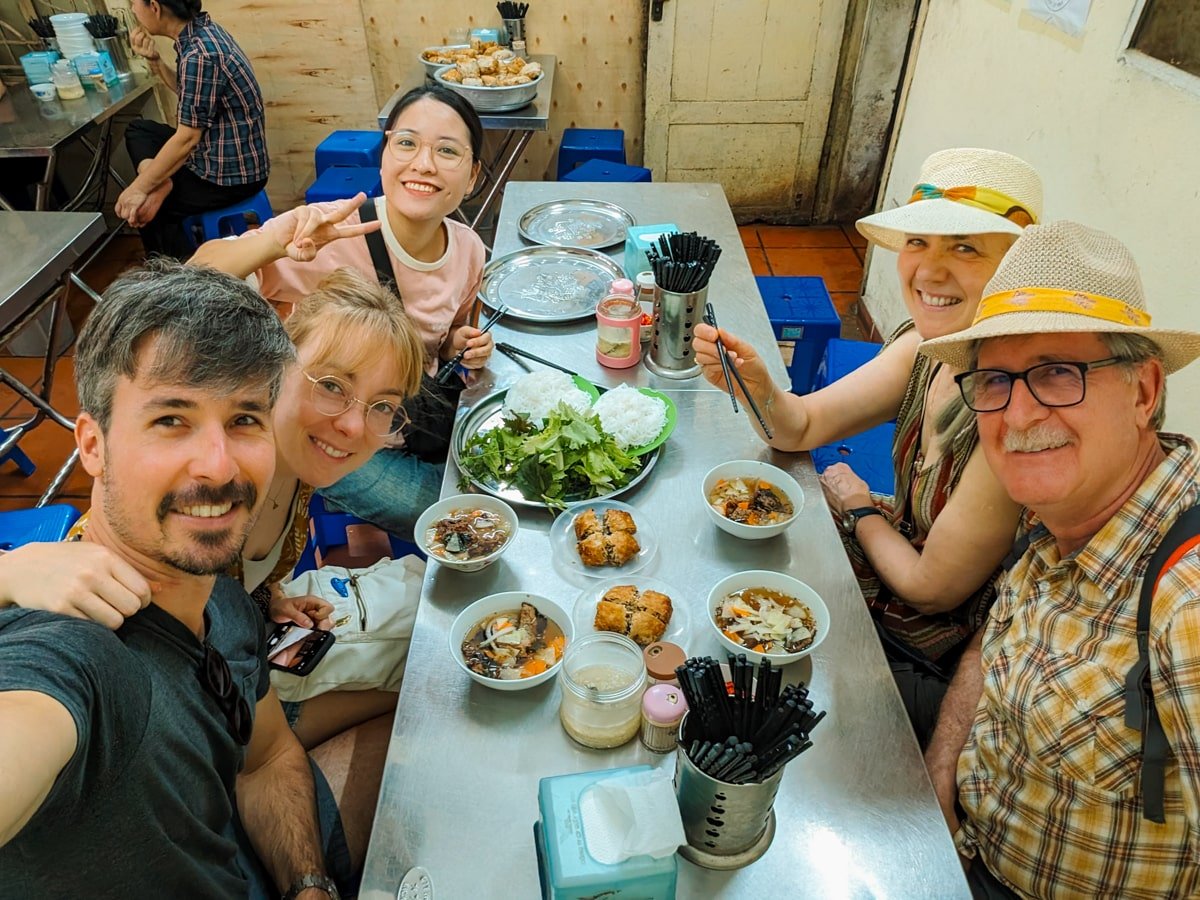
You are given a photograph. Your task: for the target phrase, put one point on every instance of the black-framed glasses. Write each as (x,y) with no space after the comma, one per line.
(332,396)
(1052,384)
(405,145)
(214,674)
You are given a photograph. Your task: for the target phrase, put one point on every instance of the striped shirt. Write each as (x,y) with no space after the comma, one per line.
(219,95)
(1049,776)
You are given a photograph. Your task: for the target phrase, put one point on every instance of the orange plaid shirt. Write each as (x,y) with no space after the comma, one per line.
(1049,776)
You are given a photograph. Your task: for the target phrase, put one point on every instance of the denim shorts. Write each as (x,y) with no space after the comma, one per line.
(390,490)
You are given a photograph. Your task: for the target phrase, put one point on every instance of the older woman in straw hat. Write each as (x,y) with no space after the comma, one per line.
(925,559)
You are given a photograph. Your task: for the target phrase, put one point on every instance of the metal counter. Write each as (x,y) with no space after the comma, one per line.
(856,815)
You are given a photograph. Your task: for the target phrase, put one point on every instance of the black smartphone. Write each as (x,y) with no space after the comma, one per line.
(304,647)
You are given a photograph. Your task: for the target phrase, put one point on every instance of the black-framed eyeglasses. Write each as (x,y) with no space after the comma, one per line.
(332,396)
(214,674)
(1052,384)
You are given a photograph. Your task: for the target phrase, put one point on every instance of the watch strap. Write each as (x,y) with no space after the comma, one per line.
(311,880)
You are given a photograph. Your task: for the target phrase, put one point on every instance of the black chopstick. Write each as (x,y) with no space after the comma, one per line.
(444,372)
(510,350)
(728,367)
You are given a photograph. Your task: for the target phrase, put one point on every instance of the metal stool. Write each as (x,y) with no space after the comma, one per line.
(340,182)
(41,525)
(602,170)
(350,148)
(17,456)
(581,144)
(235,219)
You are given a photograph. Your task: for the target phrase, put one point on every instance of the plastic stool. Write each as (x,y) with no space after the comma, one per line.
(841,358)
(340,182)
(327,529)
(43,524)
(869,454)
(804,320)
(581,144)
(600,170)
(17,455)
(219,223)
(350,148)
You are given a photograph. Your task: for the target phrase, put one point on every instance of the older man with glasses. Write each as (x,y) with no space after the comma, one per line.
(155,761)
(1067,750)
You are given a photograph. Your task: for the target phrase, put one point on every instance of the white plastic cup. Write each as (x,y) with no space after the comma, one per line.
(44,91)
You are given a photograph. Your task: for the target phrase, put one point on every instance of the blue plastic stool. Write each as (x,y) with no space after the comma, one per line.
(350,148)
(601,170)
(804,320)
(17,456)
(841,358)
(43,524)
(340,182)
(581,144)
(219,223)
(327,529)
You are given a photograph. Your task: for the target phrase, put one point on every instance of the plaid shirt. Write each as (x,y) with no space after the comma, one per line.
(219,95)
(1049,776)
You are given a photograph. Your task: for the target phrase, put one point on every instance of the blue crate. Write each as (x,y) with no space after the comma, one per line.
(581,144)
(349,148)
(603,170)
(869,454)
(341,182)
(804,320)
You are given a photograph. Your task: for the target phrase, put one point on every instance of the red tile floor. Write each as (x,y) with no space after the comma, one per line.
(833,252)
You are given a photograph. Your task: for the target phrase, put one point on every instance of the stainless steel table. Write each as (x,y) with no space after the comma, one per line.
(39,130)
(42,249)
(515,130)
(856,814)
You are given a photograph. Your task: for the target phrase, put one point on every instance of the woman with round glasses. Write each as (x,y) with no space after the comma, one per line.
(433,140)
(925,558)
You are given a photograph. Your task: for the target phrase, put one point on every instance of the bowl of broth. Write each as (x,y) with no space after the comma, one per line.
(751,499)
(467,532)
(767,615)
(511,641)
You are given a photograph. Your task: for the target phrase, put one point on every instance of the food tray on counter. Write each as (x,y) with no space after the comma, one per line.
(590,224)
(549,284)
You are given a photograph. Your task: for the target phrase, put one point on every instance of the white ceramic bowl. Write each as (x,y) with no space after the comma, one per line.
(752,468)
(496,603)
(465,501)
(431,67)
(775,581)
(492,99)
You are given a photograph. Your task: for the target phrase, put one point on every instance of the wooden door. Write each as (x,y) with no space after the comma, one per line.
(738,92)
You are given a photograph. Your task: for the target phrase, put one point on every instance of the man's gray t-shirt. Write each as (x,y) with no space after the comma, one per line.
(144,808)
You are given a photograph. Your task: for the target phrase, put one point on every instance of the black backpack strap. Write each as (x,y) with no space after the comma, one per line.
(1140,711)
(375,243)
(1021,544)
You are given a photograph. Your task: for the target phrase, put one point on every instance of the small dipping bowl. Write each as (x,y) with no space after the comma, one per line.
(44,91)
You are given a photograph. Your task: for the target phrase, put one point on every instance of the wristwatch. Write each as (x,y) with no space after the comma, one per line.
(312,880)
(851,516)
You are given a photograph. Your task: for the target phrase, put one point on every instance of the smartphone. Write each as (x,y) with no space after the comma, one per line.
(303,648)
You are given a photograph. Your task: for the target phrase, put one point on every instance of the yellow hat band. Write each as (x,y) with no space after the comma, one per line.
(1079,303)
(979,197)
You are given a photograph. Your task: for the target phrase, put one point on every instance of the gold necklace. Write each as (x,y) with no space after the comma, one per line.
(274,497)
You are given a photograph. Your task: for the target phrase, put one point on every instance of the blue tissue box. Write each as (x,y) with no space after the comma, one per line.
(637,239)
(90,62)
(486,34)
(37,65)
(567,871)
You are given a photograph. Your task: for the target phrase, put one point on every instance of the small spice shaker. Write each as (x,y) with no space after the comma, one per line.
(662,659)
(663,707)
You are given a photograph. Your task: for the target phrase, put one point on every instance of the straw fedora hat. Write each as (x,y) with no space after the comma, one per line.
(1064,277)
(962,191)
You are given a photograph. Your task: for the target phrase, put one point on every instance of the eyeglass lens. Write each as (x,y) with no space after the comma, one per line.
(404,145)
(1052,384)
(332,397)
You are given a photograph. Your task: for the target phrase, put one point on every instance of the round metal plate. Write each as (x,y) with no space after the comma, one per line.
(487,414)
(549,284)
(592,224)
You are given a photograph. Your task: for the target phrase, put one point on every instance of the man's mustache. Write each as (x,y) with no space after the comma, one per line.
(204,495)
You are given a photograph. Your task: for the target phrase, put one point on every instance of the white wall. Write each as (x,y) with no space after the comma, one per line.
(1117,148)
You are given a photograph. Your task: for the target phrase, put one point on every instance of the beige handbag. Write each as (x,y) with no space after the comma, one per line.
(374,610)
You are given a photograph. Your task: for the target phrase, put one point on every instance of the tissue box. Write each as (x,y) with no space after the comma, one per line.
(566,869)
(37,65)
(637,239)
(90,62)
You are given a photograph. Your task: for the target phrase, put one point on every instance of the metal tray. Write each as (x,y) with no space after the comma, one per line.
(485,415)
(592,224)
(549,284)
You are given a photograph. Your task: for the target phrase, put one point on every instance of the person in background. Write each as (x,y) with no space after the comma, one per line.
(433,139)
(155,761)
(1067,377)
(216,155)
(926,559)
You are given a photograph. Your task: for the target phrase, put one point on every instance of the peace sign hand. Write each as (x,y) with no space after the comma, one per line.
(311,227)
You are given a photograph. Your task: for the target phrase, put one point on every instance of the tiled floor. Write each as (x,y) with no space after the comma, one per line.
(832,252)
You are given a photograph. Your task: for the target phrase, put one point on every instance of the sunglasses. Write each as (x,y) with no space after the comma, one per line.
(216,678)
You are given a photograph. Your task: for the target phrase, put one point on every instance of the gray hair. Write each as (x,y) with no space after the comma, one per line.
(1131,349)
(213,331)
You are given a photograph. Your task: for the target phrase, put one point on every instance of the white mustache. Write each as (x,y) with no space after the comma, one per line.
(1038,437)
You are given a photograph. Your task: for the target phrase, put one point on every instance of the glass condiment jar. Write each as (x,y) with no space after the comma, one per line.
(618,327)
(662,658)
(602,679)
(663,708)
(66,81)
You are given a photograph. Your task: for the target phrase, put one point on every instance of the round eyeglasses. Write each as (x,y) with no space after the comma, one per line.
(1052,384)
(332,396)
(405,145)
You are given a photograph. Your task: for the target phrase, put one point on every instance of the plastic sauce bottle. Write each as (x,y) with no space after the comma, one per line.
(618,327)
